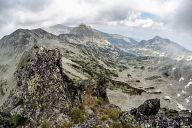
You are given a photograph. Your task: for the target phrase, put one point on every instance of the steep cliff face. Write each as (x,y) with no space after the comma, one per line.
(44,86)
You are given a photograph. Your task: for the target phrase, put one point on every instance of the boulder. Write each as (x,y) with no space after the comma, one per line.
(149,107)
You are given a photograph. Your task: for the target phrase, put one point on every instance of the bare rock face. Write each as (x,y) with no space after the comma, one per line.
(45,88)
(4,120)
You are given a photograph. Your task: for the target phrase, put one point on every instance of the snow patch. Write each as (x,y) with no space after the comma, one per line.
(181,107)
(184,92)
(184,57)
(167,98)
(182,78)
(187,100)
(41,48)
(173,68)
(189,84)
(178,95)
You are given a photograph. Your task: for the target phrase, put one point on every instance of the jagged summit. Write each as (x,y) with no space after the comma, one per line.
(24,37)
(85,31)
(84,26)
(115,39)
(20,30)
(157,37)
(20,37)
(156,40)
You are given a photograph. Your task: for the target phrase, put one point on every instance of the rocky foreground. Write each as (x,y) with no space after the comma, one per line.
(46,97)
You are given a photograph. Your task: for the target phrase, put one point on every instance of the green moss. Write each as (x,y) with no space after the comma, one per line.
(104,118)
(131,123)
(94,109)
(17,120)
(77,116)
(95,126)
(93,68)
(112,113)
(67,125)
(116,125)
(170,112)
(45,124)
(126,88)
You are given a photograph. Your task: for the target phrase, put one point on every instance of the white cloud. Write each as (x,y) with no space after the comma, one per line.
(134,20)
(89,11)
(159,15)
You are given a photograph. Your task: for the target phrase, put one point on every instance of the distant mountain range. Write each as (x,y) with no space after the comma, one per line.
(157,46)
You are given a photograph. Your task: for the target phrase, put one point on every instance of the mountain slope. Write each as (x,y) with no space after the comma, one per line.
(78,52)
(115,39)
(161,47)
(158,47)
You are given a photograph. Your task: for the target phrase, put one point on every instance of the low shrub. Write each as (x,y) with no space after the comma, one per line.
(77,116)
(17,120)
(113,113)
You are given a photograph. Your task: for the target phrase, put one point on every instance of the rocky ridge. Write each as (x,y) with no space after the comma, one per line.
(46,96)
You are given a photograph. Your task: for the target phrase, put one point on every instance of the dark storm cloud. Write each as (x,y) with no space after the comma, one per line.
(183,16)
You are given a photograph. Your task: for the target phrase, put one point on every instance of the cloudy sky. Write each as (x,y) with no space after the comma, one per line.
(140,19)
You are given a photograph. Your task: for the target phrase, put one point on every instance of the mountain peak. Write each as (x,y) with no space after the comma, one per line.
(157,37)
(20,31)
(84,26)
(84,30)
(40,31)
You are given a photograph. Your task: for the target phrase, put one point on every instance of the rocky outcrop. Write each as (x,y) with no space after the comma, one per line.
(148,115)
(45,89)
(4,120)
(149,107)
(44,93)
